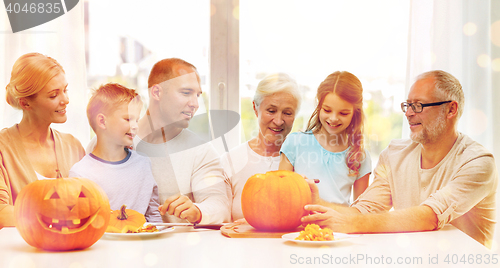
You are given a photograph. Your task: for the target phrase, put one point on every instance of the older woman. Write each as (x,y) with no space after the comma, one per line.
(32,150)
(275,103)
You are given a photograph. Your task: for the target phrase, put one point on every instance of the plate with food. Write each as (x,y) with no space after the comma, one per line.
(314,235)
(146,231)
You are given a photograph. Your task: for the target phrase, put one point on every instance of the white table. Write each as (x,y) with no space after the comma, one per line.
(186,247)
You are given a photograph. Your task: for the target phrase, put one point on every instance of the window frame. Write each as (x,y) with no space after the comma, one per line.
(224,61)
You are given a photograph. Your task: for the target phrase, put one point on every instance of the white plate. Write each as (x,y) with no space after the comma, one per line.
(162,230)
(338,237)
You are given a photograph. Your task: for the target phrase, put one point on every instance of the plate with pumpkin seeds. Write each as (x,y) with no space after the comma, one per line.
(146,231)
(337,237)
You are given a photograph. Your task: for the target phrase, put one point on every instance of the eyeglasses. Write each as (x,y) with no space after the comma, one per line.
(418,107)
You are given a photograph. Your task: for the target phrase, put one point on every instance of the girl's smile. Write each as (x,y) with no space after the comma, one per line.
(335,115)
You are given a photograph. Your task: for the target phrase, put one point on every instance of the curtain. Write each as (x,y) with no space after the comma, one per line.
(456,36)
(62,39)
(461,37)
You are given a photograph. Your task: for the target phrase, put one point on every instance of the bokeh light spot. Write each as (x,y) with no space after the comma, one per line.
(433,57)
(403,240)
(495,65)
(429,58)
(98,222)
(22,261)
(213,10)
(151,259)
(76,265)
(236,12)
(470,29)
(483,60)
(444,244)
(495,33)
(193,238)
(492,244)
(479,122)
(211,180)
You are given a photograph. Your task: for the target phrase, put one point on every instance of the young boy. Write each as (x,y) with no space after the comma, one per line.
(125,175)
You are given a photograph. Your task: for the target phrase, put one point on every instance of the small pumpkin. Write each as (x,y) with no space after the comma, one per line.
(62,214)
(275,201)
(124,220)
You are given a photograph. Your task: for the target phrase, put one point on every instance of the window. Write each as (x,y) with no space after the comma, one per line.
(125,39)
(311,39)
(235,44)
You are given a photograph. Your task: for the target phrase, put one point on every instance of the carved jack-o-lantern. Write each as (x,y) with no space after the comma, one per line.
(62,214)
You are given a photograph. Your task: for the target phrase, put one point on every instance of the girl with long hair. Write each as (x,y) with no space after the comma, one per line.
(332,149)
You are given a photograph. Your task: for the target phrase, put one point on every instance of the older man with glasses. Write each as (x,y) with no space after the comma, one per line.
(439,176)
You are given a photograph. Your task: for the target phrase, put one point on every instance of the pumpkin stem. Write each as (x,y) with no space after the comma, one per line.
(123,215)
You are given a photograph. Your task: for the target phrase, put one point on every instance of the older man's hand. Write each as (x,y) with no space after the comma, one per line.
(182,207)
(329,217)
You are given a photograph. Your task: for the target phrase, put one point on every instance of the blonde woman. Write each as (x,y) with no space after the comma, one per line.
(32,150)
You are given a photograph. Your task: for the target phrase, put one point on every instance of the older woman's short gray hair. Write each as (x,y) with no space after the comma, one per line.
(277,83)
(448,87)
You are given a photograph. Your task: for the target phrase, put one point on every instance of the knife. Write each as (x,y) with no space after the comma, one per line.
(214,226)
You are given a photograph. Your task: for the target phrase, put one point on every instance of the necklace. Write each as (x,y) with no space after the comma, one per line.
(267,157)
(271,161)
(58,172)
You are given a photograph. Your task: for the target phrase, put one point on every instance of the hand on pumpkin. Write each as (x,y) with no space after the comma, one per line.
(315,199)
(182,207)
(241,221)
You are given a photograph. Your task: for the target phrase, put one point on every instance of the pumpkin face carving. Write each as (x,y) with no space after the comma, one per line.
(62,214)
(275,201)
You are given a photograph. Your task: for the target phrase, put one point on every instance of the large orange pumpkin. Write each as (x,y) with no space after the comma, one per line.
(62,214)
(124,220)
(275,201)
